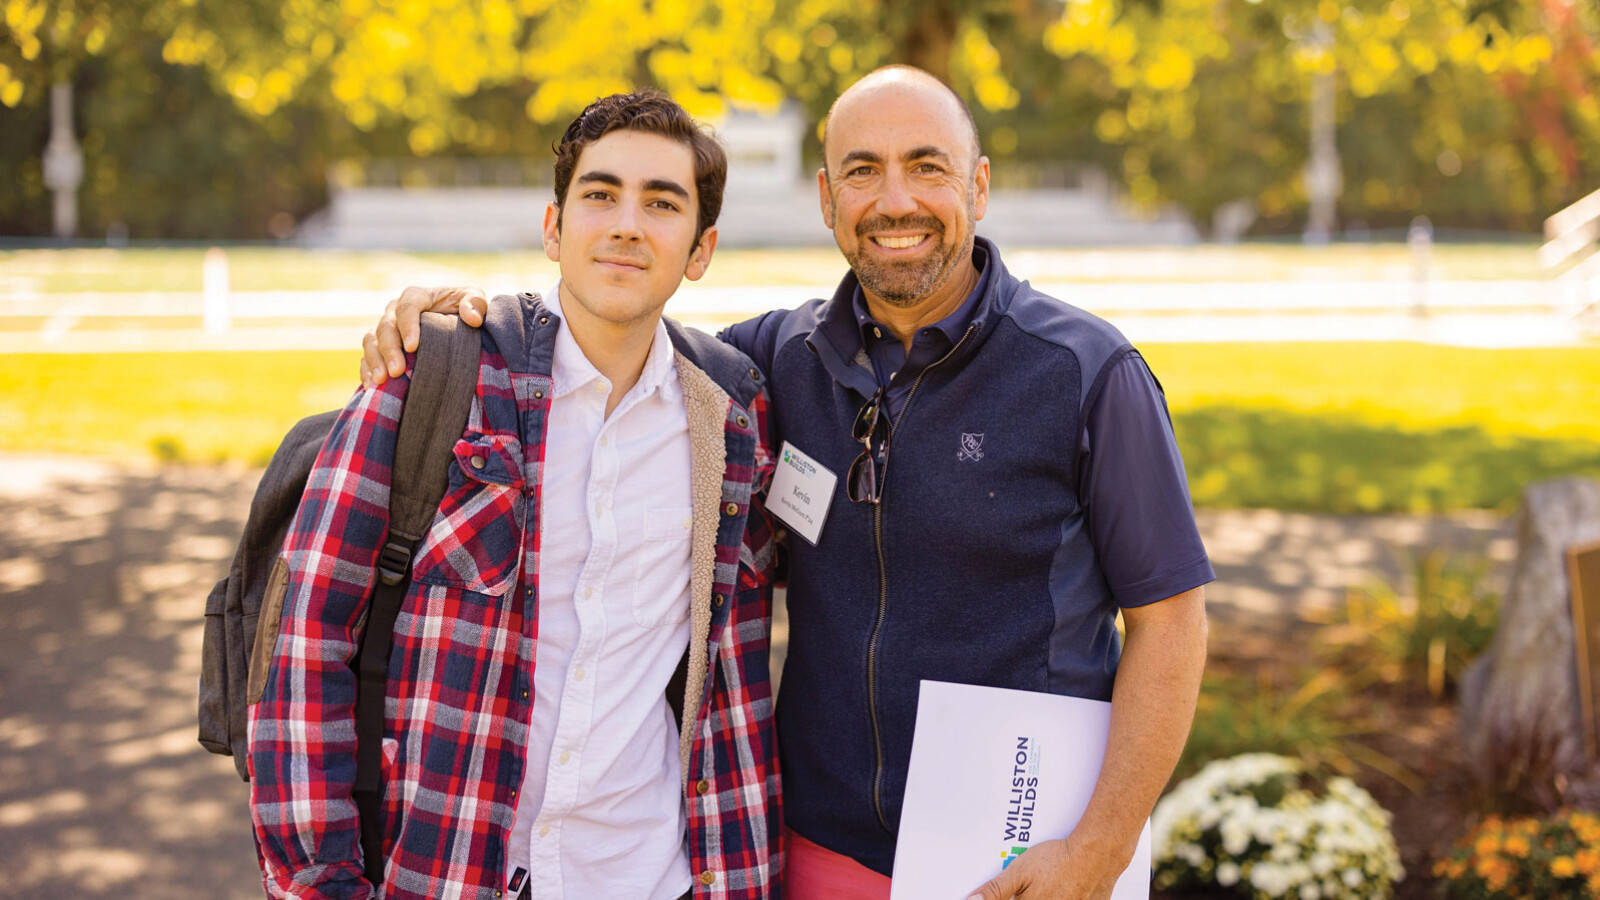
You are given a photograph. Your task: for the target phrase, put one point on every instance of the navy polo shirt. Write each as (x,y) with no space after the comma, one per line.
(1130,472)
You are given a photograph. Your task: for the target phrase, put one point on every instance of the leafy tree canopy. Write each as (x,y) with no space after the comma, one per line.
(1479,112)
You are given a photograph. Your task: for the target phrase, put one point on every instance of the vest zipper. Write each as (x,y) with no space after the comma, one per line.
(883,596)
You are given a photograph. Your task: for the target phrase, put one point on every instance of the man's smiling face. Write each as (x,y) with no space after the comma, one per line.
(901,188)
(625,232)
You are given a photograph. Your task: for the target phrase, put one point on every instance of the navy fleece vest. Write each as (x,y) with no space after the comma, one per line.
(986,573)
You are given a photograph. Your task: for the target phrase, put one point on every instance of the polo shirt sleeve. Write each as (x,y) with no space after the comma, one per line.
(1134,491)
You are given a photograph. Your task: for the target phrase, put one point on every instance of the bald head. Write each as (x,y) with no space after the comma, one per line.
(902,187)
(890,84)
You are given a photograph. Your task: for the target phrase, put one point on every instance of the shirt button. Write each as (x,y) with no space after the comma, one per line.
(716,601)
(688,522)
(580,674)
(599,387)
(524,695)
(477,462)
(877,333)
(605,440)
(566,757)
(731,509)
(588,592)
(544,831)
(701,786)
(599,510)
(708,878)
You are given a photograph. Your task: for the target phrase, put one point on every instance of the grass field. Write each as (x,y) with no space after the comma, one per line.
(1533,393)
(269,268)
(1344,427)
(1324,426)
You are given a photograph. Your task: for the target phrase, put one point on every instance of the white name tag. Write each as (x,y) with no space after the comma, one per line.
(801,490)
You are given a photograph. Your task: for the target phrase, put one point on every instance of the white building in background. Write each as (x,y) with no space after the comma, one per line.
(771,201)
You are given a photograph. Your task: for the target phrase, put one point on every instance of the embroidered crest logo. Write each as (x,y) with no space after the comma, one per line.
(971,447)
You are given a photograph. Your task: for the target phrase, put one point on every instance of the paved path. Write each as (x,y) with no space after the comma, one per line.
(104,794)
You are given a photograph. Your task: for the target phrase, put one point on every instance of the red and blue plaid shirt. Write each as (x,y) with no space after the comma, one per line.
(461,668)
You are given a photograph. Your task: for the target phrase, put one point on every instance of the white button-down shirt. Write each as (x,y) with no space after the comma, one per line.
(601,812)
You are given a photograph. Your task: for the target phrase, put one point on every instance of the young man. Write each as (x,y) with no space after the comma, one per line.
(600,534)
(1036,493)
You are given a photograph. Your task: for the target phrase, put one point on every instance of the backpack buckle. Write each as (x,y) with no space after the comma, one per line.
(394,561)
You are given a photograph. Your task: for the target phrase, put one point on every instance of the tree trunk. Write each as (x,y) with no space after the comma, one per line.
(1521,726)
(928,38)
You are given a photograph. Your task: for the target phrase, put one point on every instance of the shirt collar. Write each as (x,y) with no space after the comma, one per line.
(571,369)
(952,326)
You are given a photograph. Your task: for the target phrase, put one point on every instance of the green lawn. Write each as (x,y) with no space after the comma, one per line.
(1323,426)
(1536,393)
(193,406)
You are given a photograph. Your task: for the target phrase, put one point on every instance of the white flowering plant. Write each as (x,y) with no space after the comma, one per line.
(1259,826)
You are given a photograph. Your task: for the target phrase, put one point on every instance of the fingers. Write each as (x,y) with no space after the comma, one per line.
(467,302)
(407,312)
(384,350)
(372,368)
(391,349)
(997,889)
(1002,887)
(474,307)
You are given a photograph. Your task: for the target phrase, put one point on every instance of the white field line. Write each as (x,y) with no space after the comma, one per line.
(1458,313)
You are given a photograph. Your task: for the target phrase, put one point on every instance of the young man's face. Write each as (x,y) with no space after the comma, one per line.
(626,237)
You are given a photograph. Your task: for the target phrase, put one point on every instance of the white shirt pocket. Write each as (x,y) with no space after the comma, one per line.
(662,581)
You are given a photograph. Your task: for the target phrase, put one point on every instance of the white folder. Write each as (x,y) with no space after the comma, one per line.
(994,772)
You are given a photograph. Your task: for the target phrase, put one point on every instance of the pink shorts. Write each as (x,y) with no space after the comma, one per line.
(811,872)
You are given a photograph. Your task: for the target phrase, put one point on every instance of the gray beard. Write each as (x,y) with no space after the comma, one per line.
(906,286)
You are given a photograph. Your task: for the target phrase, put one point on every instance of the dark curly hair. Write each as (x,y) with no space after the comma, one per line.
(652,111)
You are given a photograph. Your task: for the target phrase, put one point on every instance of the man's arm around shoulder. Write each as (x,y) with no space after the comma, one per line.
(756,337)
(384,348)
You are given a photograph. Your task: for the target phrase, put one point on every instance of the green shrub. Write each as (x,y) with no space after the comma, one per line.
(1425,636)
(1315,720)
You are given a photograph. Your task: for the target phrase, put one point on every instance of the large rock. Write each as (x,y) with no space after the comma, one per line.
(1521,721)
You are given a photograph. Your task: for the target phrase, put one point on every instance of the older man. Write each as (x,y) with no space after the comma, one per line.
(1036,491)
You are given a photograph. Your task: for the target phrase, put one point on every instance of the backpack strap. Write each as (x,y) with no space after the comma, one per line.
(438,402)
